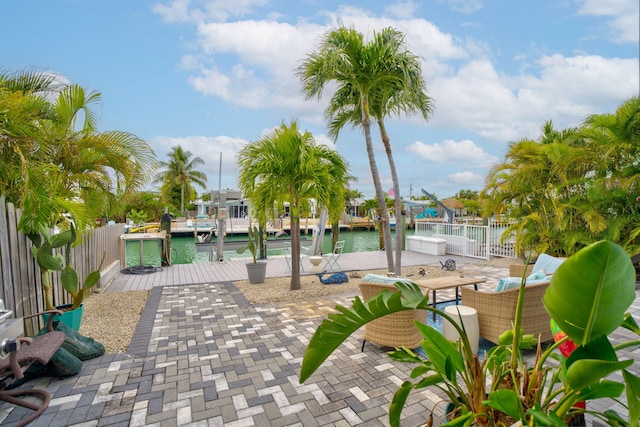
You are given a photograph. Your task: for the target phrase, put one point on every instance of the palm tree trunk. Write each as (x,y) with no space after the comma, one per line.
(397,200)
(382,206)
(182,199)
(295,247)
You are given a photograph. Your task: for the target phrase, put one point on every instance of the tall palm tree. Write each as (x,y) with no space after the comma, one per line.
(374,80)
(180,172)
(406,94)
(288,166)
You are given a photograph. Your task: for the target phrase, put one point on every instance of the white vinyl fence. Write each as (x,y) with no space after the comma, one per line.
(476,241)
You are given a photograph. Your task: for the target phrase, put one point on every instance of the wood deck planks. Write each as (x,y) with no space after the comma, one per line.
(181,274)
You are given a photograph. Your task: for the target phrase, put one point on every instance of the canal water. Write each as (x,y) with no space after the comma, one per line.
(184,251)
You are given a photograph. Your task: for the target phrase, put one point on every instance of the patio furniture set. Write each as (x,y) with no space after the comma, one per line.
(490,312)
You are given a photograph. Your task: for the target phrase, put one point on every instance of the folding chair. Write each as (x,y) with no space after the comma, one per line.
(332,258)
(286,249)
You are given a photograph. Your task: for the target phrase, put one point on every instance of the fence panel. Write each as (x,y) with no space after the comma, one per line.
(502,244)
(21,286)
(476,241)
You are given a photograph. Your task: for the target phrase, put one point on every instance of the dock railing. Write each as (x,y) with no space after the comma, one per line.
(476,241)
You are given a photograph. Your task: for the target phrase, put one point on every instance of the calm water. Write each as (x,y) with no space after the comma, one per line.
(183,248)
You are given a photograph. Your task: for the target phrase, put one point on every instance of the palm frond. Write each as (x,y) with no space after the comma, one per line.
(339,326)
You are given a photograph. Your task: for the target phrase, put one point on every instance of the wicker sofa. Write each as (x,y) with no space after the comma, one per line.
(392,330)
(544,262)
(496,311)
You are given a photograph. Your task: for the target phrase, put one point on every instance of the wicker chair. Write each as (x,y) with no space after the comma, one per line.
(518,270)
(392,330)
(496,311)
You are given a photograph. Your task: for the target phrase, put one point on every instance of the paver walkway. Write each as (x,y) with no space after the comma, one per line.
(203,356)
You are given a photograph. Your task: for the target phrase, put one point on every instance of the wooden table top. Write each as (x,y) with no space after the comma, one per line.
(445,282)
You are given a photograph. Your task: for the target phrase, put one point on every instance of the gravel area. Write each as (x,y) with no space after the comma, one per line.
(101,310)
(278,289)
(111,319)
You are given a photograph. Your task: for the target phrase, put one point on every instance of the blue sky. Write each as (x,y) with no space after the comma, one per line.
(214,75)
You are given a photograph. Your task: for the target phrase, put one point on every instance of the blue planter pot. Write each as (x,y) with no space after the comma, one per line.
(71,318)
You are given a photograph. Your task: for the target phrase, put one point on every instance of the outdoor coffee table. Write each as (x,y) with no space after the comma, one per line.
(448,282)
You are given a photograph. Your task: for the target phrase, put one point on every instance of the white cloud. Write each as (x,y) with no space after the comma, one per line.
(401,9)
(323,139)
(251,63)
(450,152)
(465,6)
(504,108)
(265,54)
(182,11)
(177,11)
(624,17)
(466,179)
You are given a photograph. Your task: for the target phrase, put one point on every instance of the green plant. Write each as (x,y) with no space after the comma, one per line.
(137,217)
(587,298)
(43,245)
(253,244)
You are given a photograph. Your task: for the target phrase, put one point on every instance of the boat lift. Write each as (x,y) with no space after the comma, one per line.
(448,211)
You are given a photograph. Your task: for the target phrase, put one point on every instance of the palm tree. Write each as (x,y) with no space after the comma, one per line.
(572,187)
(374,80)
(52,166)
(180,172)
(405,94)
(52,163)
(105,166)
(537,184)
(288,166)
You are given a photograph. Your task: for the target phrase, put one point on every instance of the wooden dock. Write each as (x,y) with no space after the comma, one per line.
(357,223)
(182,274)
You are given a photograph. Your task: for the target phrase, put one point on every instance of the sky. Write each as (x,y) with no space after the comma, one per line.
(215,75)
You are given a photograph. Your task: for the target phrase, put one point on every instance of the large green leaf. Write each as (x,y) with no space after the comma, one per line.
(399,399)
(601,390)
(586,372)
(444,355)
(633,396)
(339,326)
(507,401)
(599,348)
(590,292)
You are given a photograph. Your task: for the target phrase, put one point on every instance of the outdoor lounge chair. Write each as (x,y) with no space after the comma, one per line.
(544,262)
(22,352)
(332,259)
(392,330)
(496,311)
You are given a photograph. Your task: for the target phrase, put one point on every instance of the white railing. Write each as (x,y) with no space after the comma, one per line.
(476,241)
